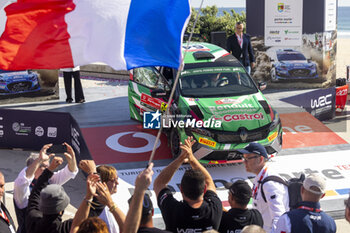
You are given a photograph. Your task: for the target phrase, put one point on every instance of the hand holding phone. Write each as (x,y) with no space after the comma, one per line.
(59,149)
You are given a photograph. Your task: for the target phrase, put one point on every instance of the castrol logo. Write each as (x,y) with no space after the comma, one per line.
(243,117)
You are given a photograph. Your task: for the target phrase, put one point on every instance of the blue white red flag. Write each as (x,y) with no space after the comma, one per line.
(125,34)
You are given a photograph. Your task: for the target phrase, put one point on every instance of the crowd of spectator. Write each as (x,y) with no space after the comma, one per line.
(40,199)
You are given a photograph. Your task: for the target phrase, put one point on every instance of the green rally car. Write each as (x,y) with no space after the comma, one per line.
(224,108)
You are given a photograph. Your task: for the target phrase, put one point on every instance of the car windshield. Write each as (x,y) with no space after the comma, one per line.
(216,82)
(290,57)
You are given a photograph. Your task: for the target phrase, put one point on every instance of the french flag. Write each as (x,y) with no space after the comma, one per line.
(125,34)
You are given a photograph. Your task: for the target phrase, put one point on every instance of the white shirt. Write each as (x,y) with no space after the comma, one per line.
(77,68)
(277,200)
(21,189)
(108,217)
(283,224)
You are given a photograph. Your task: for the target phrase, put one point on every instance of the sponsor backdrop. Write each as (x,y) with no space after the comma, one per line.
(28,86)
(32,129)
(283,26)
(320,103)
(293,48)
(336,172)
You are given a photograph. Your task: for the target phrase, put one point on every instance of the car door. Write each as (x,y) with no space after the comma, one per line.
(141,84)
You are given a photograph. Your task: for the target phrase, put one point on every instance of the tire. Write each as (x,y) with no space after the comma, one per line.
(175,143)
(273,75)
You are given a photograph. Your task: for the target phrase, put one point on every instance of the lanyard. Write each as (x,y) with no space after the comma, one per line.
(255,189)
(240,39)
(309,209)
(3,215)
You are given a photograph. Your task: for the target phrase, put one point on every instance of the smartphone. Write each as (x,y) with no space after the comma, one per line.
(57,149)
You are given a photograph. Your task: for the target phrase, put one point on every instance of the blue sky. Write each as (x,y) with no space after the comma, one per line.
(240,3)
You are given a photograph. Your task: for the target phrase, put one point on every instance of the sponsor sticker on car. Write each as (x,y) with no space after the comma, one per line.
(272,137)
(150,102)
(207,142)
(229,101)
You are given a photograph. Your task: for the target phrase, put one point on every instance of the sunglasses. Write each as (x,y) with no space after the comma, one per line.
(249,158)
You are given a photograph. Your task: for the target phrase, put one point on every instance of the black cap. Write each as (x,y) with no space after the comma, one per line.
(255,148)
(240,190)
(147,206)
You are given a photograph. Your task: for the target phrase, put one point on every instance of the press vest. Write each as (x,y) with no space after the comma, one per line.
(309,218)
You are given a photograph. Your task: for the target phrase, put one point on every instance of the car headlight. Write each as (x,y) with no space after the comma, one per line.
(275,121)
(33,77)
(282,67)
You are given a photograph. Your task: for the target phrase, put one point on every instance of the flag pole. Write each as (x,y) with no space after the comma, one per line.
(174,86)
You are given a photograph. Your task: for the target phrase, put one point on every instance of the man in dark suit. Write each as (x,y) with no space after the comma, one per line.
(6,223)
(239,45)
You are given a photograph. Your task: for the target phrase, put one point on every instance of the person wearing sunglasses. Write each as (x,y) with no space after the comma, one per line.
(277,200)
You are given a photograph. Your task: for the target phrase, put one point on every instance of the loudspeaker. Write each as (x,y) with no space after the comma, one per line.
(218,38)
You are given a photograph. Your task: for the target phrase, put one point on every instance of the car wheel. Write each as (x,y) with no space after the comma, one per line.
(273,75)
(175,143)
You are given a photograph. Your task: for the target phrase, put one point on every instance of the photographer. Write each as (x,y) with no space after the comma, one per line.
(27,178)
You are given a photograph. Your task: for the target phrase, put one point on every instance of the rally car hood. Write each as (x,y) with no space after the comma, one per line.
(10,76)
(249,111)
(296,63)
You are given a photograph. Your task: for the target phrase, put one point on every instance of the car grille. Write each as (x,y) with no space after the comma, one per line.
(299,72)
(19,86)
(234,137)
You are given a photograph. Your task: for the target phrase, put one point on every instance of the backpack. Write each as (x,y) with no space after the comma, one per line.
(294,185)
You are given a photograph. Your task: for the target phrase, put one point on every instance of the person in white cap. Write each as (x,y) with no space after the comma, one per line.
(308,217)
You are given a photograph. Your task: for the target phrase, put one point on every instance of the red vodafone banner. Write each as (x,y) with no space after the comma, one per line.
(341,96)
(127,143)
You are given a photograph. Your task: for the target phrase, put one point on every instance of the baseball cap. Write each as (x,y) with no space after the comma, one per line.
(313,182)
(240,190)
(255,148)
(147,206)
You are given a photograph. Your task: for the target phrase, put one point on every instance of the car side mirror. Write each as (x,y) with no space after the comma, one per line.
(159,93)
(262,86)
(309,60)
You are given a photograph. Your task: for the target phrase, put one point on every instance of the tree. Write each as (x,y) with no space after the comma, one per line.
(208,22)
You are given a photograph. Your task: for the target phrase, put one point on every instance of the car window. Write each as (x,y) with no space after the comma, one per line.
(216,82)
(149,77)
(290,56)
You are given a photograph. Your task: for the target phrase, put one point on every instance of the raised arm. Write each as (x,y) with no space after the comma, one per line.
(33,211)
(104,197)
(71,160)
(88,166)
(83,211)
(31,169)
(133,218)
(167,173)
(195,164)
(26,176)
